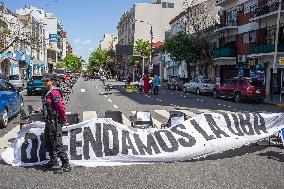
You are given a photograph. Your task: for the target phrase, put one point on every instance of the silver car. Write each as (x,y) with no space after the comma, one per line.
(17,81)
(198,86)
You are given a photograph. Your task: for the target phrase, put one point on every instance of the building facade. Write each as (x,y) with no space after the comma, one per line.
(199,14)
(145,21)
(109,41)
(246,40)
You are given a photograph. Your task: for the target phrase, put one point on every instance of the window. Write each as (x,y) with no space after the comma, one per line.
(246,38)
(168,5)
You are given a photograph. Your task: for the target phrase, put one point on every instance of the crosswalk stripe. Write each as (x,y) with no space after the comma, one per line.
(188,113)
(126,121)
(163,113)
(88,115)
(156,122)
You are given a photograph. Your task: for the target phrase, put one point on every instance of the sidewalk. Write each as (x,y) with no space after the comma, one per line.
(275,101)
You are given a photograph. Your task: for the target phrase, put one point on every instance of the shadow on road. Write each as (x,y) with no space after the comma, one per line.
(277,156)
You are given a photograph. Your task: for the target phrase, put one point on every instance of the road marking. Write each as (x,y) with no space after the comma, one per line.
(188,113)
(171,104)
(109,100)
(115,106)
(163,113)
(105,96)
(125,121)
(155,122)
(88,115)
(83,90)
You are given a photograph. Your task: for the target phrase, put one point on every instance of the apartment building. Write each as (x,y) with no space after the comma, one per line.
(203,15)
(146,20)
(109,41)
(246,40)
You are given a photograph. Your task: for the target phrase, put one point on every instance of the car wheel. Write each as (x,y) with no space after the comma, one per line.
(4,119)
(29,93)
(198,91)
(176,88)
(215,94)
(238,97)
(184,89)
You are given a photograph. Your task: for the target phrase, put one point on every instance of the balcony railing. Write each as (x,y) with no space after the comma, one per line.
(225,52)
(265,48)
(266,9)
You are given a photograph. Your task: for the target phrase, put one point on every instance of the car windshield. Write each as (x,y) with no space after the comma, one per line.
(37,78)
(14,77)
(255,82)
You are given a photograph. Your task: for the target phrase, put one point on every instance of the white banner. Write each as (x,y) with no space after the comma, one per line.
(103,142)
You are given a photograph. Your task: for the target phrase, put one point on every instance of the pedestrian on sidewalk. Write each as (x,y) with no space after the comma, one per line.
(55,119)
(146,84)
(156,84)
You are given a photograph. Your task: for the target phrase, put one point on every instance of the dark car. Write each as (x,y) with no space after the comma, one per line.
(240,89)
(36,86)
(171,82)
(11,102)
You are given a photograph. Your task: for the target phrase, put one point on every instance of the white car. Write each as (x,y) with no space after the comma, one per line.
(198,86)
(17,81)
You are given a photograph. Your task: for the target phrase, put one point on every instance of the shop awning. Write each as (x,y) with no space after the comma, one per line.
(225,61)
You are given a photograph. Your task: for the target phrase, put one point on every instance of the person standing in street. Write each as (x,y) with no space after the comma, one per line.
(146,84)
(141,83)
(156,84)
(55,119)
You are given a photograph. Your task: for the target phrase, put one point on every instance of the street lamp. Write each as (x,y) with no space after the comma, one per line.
(151,40)
(275,53)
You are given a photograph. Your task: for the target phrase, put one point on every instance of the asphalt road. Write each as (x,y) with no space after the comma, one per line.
(248,167)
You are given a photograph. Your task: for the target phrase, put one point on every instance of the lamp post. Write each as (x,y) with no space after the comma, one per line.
(151,41)
(274,79)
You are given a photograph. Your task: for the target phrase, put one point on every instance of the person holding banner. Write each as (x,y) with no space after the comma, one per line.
(55,118)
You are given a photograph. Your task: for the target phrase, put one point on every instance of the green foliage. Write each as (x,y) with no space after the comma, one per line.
(136,60)
(143,47)
(6,32)
(72,62)
(98,58)
(180,47)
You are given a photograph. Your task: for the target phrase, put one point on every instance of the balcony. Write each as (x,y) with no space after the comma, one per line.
(265,11)
(265,48)
(232,24)
(225,52)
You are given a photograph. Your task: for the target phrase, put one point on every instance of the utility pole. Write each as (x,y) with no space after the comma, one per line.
(274,75)
(151,47)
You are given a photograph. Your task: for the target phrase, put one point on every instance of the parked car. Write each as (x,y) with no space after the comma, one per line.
(176,83)
(239,89)
(171,82)
(11,102)
(4,77)
(36,86)
(17,81)
(199,86)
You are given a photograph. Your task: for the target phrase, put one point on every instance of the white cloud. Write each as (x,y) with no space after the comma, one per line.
(77,41)
(88,41)
(91,49)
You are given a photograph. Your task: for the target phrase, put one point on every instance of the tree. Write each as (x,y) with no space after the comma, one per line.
(182,48)
(143,47)
(98,58)
(72,62)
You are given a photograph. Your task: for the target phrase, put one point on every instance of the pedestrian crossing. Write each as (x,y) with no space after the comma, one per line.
(158,116)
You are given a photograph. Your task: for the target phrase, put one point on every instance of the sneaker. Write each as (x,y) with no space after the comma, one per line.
(53,165)
(66,167)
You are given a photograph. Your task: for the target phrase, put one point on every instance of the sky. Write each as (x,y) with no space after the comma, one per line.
(85,21)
